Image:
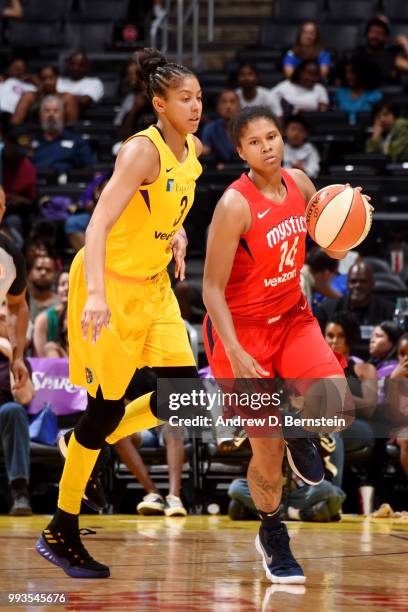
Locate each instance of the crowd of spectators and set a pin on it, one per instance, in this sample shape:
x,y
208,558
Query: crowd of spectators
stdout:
x,y
43,119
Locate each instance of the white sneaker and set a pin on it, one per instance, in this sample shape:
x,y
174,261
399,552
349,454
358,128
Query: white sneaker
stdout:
x,y
174,506
152,503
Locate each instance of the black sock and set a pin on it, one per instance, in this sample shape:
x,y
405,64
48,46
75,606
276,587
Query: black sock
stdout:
x,y
64,521
19,485
270,520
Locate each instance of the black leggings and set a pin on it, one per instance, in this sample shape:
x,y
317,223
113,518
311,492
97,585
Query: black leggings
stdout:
x,y
102,416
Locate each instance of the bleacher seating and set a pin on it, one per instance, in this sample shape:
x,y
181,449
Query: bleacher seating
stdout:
x,y
351,10
298,11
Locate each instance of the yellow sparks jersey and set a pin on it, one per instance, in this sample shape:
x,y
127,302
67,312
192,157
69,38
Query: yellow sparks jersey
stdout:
x,y
137,243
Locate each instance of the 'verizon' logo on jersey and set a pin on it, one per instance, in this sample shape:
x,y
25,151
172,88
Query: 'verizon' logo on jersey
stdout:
x,y
288,227
286,276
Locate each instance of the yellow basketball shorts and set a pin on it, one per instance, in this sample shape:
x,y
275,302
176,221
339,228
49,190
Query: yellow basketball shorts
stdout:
x,y
146,329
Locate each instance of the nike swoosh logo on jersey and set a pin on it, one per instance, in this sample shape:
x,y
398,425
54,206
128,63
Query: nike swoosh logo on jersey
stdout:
x,y
169,169
261,215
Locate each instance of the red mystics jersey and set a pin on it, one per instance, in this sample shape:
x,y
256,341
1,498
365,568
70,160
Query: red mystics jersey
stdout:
x,y
265,275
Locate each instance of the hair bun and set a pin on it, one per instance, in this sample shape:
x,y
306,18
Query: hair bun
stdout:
x,y
148,60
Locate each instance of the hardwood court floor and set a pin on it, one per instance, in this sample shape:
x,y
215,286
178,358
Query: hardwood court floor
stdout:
x,y
210,563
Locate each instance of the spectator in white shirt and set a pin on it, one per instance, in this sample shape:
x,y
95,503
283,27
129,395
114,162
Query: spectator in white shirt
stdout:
x,y
298,152
17,83
251,94
302,92
87,89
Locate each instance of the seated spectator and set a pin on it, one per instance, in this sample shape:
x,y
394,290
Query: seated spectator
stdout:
x,y
86,89
14,9
172,438
308,45
76,224
358,92
29,105
18,82
216,136
327,282
341,334
58,348
383,352
58,147
50,330
387,60
389,132
302,92
251,94
299,153
367,307
383,347
14,433
320,503
20,185
41,280
397,386
397,400
135,104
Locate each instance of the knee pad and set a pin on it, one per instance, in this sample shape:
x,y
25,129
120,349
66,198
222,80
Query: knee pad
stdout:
x,y
99,420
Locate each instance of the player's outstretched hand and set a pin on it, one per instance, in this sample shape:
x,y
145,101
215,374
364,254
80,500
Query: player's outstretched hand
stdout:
x,y
96,311
245,366
178,246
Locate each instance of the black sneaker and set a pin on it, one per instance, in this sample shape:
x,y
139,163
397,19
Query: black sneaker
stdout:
x,y
279,564
94,495
65,549
21,504
305,460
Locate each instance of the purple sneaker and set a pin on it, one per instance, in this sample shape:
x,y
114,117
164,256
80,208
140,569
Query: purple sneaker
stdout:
x,y
66,550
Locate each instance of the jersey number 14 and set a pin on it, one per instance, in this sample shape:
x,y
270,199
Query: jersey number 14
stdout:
x,y
288,255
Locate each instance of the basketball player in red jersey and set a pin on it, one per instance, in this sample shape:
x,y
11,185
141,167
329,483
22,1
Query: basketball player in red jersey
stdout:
x,y
259,323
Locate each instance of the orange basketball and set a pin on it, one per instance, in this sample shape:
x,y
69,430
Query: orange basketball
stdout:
x,y
338,217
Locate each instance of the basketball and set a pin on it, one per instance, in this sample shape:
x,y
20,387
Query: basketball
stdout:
x,y
338,217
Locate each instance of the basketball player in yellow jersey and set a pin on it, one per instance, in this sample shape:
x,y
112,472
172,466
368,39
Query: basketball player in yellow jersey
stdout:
x,y
122,313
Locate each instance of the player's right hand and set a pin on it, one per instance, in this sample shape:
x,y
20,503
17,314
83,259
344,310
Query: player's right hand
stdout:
x,y
96,311
245,366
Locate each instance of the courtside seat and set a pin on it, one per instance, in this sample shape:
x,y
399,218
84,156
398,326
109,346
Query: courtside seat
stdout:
x,y
376,160
277,35
353,170
90,35
35,33
46,10
351,10
298,11
389,281
111,10
378,265
341,37
156,460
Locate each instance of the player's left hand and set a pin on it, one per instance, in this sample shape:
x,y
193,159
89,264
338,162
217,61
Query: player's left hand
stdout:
x,y
20,373
178,245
